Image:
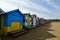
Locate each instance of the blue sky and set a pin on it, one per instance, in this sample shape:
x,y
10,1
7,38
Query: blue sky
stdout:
x,y
48,9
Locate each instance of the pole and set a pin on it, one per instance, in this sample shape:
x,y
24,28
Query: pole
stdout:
x,y
18,3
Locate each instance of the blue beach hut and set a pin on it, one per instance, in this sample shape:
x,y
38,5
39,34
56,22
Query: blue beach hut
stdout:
x,y
13,21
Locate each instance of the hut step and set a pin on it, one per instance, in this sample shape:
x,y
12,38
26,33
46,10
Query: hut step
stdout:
x,y
19,34
16,33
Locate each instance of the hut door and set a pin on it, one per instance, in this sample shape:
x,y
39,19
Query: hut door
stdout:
x,y
15,26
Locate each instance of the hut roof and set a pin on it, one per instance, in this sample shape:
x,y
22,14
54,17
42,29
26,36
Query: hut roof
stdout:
x,y
16,10
27,14
1,11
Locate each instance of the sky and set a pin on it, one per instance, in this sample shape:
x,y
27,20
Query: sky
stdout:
x,y
48,9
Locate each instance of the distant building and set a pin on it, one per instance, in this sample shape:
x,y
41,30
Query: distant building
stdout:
x,y
33,20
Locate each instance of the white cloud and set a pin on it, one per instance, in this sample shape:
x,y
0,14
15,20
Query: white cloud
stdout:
x,y
25,6
51,3
6,6
13,4
38,9
34,6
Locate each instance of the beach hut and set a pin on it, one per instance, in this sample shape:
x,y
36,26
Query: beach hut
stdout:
x,y
37,21
12,21
42,21
33,20
27,18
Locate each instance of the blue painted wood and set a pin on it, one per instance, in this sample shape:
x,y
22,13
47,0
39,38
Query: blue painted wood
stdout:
x,y
13,16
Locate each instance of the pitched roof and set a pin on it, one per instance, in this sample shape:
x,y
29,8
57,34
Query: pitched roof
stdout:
x,y
16,10
27,14
1,10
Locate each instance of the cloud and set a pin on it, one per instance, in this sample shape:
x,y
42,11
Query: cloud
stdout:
x,y
26,6
50,2
34,6
37,9
29,6
7,6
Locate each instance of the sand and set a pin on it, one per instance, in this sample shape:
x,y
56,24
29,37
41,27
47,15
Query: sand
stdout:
x,y
49,31
56,27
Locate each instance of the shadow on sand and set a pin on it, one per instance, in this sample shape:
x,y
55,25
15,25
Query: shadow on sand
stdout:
x,y
44,32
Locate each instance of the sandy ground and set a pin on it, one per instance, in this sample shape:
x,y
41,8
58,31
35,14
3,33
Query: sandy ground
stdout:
x,y
50,31
56,27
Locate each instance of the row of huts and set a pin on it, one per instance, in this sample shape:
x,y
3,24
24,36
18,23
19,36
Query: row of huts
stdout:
x,y
15,20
